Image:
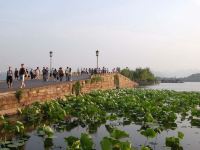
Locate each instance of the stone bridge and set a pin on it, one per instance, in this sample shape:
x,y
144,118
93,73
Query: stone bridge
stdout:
x,y
10,103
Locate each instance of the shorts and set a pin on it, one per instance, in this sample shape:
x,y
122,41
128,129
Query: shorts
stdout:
x,y
21,77
9,79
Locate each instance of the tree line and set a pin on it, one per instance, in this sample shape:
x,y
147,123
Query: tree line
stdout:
x,y
143,76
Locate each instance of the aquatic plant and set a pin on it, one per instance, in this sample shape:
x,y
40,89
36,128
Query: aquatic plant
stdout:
x,y
155,111
174,142
84,143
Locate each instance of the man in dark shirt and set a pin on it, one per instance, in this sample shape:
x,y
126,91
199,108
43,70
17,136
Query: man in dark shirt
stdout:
x,y
9,77
16,74
22,73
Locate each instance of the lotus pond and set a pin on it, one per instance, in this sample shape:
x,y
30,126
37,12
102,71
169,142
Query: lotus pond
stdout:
x,y
123,119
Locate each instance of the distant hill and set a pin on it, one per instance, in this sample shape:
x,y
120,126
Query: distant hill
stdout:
x,y
192,78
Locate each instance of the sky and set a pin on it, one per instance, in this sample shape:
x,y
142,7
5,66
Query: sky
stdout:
x,y
161,34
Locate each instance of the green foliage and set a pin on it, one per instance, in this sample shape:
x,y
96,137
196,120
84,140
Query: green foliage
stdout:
x,y
70,140
106,144
146,148
174,142
148,117
76,88
149,133
32,113
53,111
195,112
195,122
142,107
48,143
141,75
180,135
116,80
117,134
114,144
6,127
19,94
84,143
45,131
19,127
13,144
96,78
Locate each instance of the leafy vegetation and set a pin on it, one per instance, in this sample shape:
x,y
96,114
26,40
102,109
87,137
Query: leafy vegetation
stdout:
x,y
116,80
96,78
19,94
174,142
140,75
76,88
84,143
155,111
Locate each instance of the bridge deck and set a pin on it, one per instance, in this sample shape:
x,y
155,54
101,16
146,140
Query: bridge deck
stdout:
x,y
37,83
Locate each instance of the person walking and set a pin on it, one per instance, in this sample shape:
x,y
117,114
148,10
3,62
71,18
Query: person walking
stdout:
x,y
70,74
26,74
9,77
61,74
37,73
55,74
16,73
43,73
47,74
67,73
32,74
22,73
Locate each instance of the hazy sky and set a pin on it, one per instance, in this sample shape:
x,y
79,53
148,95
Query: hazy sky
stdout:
x,y
161,34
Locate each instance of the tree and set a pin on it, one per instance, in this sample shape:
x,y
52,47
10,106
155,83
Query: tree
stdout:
x,y
143,76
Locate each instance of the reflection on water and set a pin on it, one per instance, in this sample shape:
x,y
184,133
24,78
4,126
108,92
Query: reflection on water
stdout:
x,y
74,126
187,86
191,140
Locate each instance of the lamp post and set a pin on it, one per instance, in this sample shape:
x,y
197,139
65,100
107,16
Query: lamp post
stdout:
x,y
97,54
51,55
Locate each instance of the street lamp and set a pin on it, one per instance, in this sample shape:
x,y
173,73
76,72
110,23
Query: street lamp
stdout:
x,y
97,54
51,55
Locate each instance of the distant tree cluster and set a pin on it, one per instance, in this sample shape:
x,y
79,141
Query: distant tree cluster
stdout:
x,y
143,76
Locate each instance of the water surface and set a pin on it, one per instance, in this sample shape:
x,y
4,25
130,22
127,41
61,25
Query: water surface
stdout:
x,y
186,86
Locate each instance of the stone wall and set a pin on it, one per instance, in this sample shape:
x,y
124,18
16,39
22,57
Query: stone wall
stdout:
x,y
9,103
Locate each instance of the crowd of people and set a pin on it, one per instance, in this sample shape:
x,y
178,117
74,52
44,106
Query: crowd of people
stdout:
x,y
94,70
45,74
17,75
37,74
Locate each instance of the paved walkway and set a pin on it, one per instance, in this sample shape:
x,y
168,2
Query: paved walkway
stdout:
x,y
37,83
